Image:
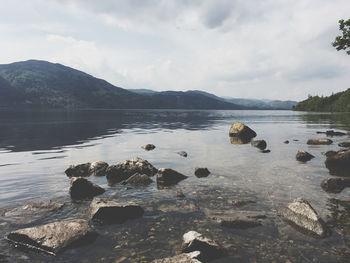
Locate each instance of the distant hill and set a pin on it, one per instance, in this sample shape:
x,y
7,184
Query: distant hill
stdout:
x,y
338,102
42,84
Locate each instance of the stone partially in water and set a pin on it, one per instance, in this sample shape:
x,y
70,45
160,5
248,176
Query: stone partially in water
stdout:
x,y
319,141
182,258
261,144
344,144
138,180
122,171
106,211
78,170
286,142
301,214
149,147
98,168
201,172
182,153
304,156
241,130
334,133
82,188
240,203
237,219
54,237
209,249
339,163
168,177
335,185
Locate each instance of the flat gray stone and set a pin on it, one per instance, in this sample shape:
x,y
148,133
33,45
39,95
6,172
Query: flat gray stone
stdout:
x,y
319,141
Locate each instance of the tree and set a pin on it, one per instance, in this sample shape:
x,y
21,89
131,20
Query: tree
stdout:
x,y
343,42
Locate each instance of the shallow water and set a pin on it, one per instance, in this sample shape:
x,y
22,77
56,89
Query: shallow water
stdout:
x,y
36,148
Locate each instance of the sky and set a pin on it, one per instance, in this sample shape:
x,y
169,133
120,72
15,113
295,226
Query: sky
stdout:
x,y
264,49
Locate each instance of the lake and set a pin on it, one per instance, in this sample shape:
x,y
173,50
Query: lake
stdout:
x,y
37,147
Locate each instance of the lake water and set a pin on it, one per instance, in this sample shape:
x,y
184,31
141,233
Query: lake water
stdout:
x,y
36,148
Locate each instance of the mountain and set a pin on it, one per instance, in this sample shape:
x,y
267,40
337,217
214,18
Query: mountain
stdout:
x,y
338,102
42,84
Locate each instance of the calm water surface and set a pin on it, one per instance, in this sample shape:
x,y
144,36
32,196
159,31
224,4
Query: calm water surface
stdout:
x,y
36,148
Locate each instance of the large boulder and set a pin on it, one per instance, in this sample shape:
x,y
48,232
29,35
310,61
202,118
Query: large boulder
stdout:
x,y
122,171
182,258
98,168
105,211
201,172
319,141
238,219
209,249
54,237
243,132
335,185
339,163
138,180
301,215
261,144
168,177
81,188
78,170
304,156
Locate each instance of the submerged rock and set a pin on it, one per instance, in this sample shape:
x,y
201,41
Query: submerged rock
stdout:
x,y
329,153
339,163
182,258
122,171
334,133
98,168
81,188
138,180
319,141
261,144
304,156
106,211
182,153
78,170
240,203
335,185
168,177
265,151
237,219
243,132
54,237
149,147
201,172
344,144
301,215
286,142
209,249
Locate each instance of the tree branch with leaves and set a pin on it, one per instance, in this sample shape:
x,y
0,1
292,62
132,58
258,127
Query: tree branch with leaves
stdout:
x,y
343,42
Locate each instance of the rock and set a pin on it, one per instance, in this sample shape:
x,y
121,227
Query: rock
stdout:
x,y
81,188
286,142
122,171
168,177
339,163
182,153
238,140
333,133
261,144
182,258
209,249
329,153
98,168
78,170
201,172
54,237
105,211
301,215
344,144
319,141
335,185
138,180
149,147
240,203
241,131
303,156
265,151
237,219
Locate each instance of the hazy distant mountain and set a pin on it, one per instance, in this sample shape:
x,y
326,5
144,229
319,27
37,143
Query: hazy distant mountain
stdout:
x,y
43,84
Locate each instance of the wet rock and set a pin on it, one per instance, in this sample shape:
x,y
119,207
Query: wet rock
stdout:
x,y
304,156
168,177
54,237
122,171
344,144
335,185
78,170
329,153
201,172
209,249
106,211
81,188
149,147
339,163
301,215
98,168
319,141
286,142
182,258
240,203
238,140
237,219
265,151
182,153
138,180
334,133
243,132
261,144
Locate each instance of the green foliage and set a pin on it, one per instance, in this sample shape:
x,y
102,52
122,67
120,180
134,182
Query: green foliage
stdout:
x,y
343,42
338,102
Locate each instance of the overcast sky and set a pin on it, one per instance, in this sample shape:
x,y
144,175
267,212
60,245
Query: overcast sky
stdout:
x,y
272,49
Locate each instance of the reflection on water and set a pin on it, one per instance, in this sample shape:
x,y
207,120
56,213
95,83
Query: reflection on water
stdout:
x,y
36,148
